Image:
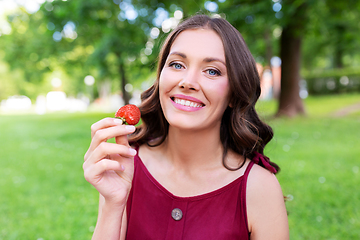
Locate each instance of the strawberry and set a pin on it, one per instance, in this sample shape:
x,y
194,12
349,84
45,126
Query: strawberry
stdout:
x,y
129,114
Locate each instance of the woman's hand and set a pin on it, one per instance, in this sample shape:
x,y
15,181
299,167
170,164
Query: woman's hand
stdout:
x,y
109,167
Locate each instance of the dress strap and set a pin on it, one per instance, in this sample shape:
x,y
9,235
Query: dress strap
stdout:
x,y
248,168
242,202
263,161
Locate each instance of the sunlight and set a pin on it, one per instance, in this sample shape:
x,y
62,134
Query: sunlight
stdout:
x,y
89,80
16,103
69,30
178,14
211,6
161,15
154,33
56,101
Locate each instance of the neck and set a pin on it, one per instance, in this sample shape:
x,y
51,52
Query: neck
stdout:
x,y
194,149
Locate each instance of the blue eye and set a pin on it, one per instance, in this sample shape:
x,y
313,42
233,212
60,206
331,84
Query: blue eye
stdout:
x,y
213,72
176,65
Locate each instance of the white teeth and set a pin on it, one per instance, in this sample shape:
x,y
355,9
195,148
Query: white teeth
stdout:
x,y
187,103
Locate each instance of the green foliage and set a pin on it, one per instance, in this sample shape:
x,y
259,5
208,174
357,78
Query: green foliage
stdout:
x,y
331,40
336,80
256,21
106,38
111,39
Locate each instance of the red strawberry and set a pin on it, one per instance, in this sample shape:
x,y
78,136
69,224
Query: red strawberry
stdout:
x,y
129,114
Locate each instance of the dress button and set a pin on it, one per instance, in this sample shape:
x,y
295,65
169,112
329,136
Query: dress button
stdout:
x,y
176,214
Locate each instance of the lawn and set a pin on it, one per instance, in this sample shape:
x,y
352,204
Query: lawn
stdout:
x,y
319,157
43,194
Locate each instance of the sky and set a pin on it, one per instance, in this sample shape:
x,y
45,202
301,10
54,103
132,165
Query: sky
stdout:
x,y
30,6
10,6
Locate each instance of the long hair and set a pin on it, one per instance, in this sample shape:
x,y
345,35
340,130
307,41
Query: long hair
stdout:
x,y
241,128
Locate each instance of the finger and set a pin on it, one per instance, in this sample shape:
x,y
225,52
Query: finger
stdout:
x,y
105,123
105,149
93,172
122,139
103,135
102,124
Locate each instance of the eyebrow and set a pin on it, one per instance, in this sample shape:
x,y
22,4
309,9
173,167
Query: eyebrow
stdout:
x,y
208,59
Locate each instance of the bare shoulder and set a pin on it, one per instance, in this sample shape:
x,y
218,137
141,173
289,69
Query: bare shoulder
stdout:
x,y
262,181
267,217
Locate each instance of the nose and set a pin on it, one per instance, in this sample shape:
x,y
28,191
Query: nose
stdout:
x,y
190,80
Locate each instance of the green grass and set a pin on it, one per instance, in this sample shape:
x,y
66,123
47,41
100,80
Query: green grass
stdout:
x,y
43,194
319,160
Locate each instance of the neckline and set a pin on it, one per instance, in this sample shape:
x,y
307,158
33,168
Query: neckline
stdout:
x,y
195,197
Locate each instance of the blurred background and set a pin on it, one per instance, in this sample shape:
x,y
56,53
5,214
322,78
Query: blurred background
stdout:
x,y
65,64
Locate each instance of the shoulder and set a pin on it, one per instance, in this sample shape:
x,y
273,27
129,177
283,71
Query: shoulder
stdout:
x,y
260,180
267,217
263,188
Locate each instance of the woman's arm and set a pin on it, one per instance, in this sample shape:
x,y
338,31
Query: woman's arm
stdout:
x,y
109,222
111,219
267,216
109,167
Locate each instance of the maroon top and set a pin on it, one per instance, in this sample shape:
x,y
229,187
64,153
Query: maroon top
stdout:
x,y
155,213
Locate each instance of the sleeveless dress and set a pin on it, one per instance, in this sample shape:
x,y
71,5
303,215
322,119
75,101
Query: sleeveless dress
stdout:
x,y
154,213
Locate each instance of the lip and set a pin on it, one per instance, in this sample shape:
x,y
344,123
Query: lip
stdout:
x,y
188,98
185,97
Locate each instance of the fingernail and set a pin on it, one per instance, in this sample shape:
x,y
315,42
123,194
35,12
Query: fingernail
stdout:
x,y
130,128
132,151
116,120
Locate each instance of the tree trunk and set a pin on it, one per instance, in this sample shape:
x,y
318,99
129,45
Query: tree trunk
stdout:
x,y
290,102
126,96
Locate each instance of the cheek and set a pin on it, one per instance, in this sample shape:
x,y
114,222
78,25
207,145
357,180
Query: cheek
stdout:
x,y
223,88
166,81
166,84
222,91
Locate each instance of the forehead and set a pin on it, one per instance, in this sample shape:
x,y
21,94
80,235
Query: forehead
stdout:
x,y
199,42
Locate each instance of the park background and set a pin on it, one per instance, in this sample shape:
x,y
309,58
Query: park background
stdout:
x,y
66,64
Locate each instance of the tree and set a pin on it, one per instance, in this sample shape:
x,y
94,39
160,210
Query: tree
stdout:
x,y
117,39
22,57
119,31
257,20
331,45
290,103
111,39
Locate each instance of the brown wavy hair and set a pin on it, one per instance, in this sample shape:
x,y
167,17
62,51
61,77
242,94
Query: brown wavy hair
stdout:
x,y
241,128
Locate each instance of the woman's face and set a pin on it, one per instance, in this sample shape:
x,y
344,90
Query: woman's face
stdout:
x,y
193,84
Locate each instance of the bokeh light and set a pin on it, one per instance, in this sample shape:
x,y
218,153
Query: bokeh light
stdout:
x,y
89,80
211,6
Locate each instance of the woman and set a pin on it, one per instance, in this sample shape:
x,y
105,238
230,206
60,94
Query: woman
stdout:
x,y
197,170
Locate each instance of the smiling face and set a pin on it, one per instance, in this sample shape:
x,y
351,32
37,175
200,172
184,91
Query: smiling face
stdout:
x,y
193,84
